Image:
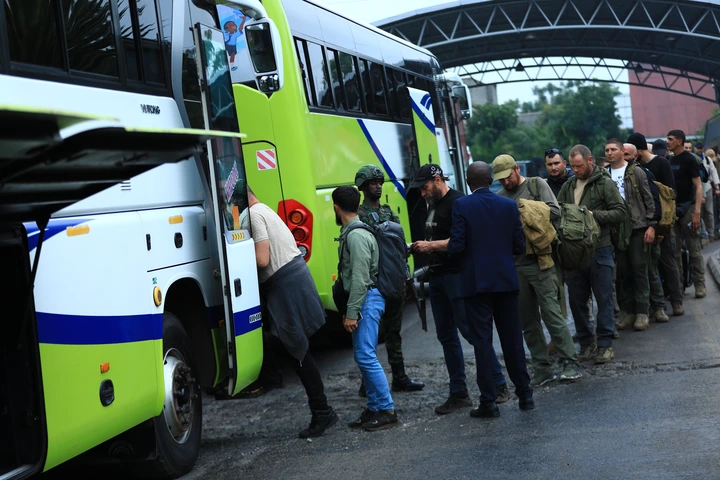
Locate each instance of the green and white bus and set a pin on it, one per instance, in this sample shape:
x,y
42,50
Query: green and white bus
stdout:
x,y
351,95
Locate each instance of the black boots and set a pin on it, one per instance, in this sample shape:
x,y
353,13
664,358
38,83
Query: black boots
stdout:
x,y
401,382
321,421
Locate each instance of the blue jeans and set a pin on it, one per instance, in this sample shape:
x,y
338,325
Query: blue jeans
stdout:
x,y
449,314
365,339
597,277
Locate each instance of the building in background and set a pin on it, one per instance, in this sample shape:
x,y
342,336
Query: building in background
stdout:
x,y
656,112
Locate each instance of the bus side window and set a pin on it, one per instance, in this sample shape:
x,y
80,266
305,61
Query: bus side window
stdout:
x,y
190,80
411,81
90,37
367,86
34,34
351,82
166,26
127,32
391,92
404,108
150,41
302,59
318,71
336,79
377,74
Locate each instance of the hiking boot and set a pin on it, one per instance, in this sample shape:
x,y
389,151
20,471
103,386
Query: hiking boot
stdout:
x,y
642,322
570,372
587,352
604,355
678,309
381,420
542,377
365,417
361,390
503,393
661,316
700,291
453,404
527,404
626,321
486,410
321,421
401,382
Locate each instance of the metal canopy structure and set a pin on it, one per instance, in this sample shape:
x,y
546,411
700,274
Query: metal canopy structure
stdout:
x,y
670,45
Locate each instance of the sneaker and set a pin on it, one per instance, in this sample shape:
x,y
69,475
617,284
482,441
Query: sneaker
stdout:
x,y
700,291
570,372
321,421
587,352
365,417
678,309
381,420
661,316
604,355
626,321
453,404
503,393
642,322
542,377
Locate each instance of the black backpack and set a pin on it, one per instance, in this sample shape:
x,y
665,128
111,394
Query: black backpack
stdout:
x,y
393,269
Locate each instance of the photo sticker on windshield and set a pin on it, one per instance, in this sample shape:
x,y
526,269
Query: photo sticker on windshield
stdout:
x,y
231,181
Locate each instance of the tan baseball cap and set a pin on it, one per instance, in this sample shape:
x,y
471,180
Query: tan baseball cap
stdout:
x,y
503,166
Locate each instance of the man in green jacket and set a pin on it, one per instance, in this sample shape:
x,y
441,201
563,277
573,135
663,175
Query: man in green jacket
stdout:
x,y
593,188
369,180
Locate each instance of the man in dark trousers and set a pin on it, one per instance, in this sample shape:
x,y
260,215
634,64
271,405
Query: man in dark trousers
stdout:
x,y
490,284
369,180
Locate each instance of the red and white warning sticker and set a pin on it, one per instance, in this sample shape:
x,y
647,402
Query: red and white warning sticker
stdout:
x,y
266,159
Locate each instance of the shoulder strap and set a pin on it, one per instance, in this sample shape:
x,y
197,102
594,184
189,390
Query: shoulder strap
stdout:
x,y
343,241
533,187
633,178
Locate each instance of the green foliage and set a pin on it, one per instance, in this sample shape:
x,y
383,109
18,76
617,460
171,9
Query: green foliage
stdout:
x,y
572,113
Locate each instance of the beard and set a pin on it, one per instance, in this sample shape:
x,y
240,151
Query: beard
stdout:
x,y
338,220
433,196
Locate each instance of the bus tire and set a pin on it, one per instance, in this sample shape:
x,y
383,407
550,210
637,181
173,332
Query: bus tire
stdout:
x,y
178,428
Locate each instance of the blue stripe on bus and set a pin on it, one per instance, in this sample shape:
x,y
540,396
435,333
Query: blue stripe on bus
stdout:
x,y
247,320
380,157
430,125
97,330
54,227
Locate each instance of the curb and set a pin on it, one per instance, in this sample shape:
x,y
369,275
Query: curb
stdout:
x,y
713,264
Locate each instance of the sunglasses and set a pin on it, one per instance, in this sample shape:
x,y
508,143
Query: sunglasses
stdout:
x,y
551,152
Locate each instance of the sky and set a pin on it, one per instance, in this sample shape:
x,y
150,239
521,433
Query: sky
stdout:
x,y
373,10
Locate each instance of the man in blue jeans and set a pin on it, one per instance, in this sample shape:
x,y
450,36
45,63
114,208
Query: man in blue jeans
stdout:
x,y
447,306
359,256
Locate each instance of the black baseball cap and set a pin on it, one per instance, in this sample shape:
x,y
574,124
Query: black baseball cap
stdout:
x,y
699,145
427,172
659,145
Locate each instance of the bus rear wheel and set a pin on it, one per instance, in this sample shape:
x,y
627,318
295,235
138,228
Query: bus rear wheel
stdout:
x,y
178,428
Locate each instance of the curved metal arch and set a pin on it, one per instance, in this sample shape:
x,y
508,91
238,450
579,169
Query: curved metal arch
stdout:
x,y
677,38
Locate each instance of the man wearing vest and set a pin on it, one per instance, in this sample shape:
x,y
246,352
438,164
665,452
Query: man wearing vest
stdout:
x,y
365,306
369,180
538,286
593,188
663,252
633,283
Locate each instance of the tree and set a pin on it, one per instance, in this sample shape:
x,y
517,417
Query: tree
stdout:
x,y
487,124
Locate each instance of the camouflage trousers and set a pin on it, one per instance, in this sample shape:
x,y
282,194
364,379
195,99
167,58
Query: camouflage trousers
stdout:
x,y
390,329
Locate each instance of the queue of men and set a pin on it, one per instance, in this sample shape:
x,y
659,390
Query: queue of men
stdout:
x,y
513,278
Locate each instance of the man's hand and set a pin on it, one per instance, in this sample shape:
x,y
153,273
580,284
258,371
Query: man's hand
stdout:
x,y
350,324
421,247
703,200
650,234
696,221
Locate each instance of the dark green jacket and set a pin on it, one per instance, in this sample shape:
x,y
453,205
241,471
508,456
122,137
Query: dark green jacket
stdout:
x,y
602,197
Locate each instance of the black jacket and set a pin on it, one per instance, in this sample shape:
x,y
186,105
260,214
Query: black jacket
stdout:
x,y
556,184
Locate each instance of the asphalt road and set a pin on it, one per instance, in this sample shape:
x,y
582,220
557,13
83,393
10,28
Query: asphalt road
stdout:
x,y
652,414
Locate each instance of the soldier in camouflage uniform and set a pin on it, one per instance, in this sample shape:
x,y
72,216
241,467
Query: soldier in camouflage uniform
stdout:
x,y
369,180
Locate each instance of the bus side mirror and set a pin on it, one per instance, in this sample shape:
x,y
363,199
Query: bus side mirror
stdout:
x,y
263,40
462,93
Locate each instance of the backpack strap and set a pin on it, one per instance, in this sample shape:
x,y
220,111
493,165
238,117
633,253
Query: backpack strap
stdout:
x,y
343,241
533,187
633,179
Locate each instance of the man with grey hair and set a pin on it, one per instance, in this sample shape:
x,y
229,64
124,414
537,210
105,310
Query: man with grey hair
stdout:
x,y
593,188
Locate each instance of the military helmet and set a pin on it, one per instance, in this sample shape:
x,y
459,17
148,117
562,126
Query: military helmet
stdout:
x,y
367,173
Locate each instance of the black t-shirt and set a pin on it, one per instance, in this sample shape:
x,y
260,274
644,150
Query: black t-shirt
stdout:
x,y
437,227
660,167
685,168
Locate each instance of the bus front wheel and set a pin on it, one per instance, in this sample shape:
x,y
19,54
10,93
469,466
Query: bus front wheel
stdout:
x,y
178,427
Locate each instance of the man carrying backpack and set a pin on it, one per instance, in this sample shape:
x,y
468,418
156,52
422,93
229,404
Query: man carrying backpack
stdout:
x,y
538,286
593,188
663,252
633,283
369,180
359,258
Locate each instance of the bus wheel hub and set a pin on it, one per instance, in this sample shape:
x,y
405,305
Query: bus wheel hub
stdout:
x,y
180,395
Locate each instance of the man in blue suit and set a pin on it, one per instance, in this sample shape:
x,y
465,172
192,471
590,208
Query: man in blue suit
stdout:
x,y
486,233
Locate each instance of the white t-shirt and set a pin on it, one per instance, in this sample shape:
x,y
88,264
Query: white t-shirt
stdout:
x,y
618,176
267,225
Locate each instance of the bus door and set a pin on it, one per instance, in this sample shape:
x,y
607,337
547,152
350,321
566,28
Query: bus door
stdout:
x,y
225,173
